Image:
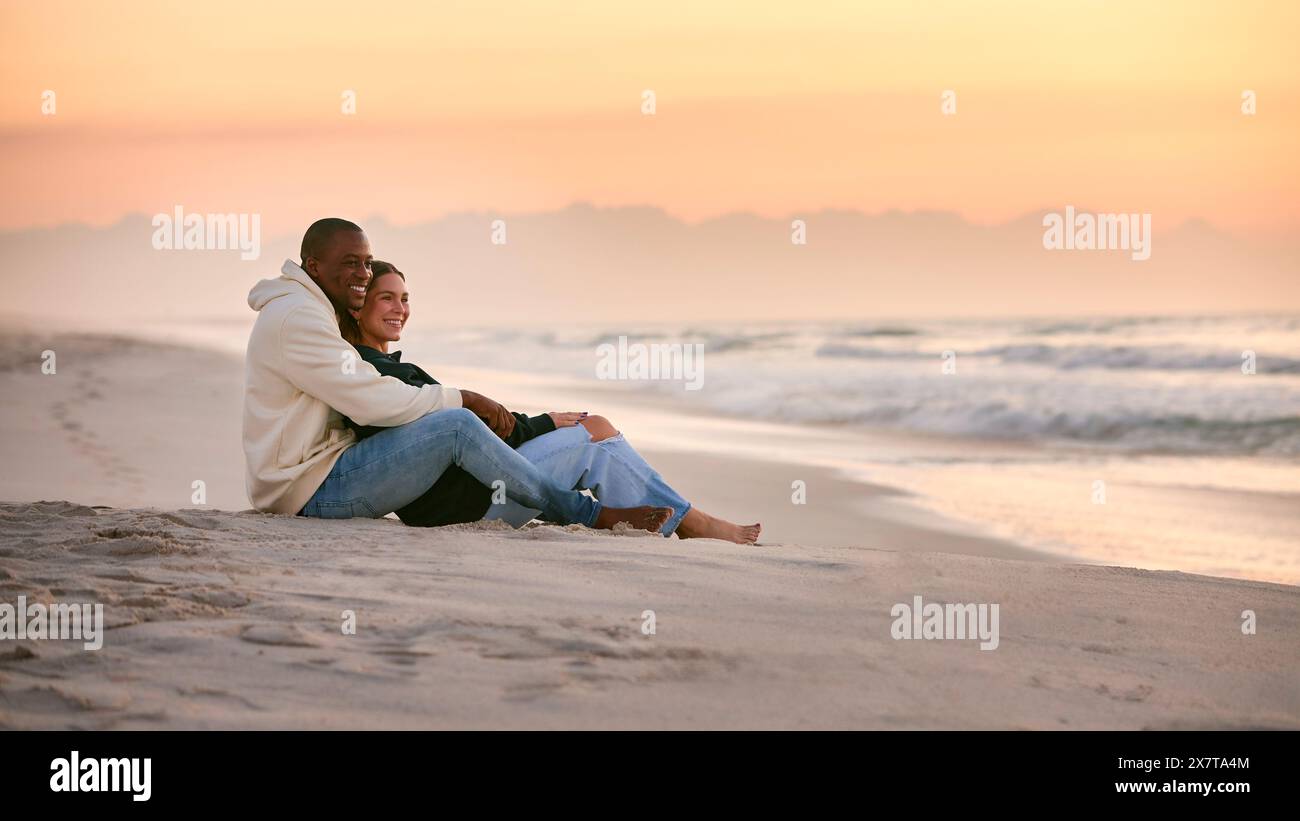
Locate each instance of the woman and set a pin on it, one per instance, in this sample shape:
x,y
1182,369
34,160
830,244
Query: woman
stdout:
x,y
575,449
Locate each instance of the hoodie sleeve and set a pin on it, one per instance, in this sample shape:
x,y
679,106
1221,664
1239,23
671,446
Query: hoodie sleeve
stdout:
x,y
319,363
529,427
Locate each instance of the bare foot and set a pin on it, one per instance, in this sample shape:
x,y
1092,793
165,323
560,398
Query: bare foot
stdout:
x,y
697,524
642,518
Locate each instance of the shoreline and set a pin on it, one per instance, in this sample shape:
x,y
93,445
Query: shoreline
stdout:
x,y
849,513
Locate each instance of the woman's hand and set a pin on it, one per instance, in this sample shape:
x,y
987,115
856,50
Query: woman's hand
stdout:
x,y
568,419
493,414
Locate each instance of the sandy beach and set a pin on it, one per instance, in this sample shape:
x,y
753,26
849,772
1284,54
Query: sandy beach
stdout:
x,y
219,617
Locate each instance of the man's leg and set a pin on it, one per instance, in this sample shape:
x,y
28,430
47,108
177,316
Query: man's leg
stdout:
x,y
391,469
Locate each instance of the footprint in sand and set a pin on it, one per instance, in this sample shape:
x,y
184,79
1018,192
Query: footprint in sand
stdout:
x,y
277,635
83,440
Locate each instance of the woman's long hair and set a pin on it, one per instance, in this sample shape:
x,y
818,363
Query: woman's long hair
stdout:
x,y
347,323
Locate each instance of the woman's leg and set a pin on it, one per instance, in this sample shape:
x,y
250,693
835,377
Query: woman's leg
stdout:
x,y
595,456
571,459
390,469
695,523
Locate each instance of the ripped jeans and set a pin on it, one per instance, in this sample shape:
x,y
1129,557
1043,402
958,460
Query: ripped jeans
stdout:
x,y
611,469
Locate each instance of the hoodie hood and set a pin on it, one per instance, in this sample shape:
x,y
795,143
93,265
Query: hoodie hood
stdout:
x,y
293,280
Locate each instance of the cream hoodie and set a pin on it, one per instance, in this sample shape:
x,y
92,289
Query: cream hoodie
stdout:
x,y
299,376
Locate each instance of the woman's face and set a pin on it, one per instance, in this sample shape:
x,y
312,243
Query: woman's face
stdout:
x,y
386,310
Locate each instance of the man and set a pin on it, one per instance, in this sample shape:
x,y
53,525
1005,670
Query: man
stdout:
x,y
300,375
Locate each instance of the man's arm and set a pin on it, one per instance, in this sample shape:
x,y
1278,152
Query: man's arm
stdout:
x,y
318,362
493,414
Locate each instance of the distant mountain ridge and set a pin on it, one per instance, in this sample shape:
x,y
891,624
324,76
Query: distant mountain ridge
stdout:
x,y
641,264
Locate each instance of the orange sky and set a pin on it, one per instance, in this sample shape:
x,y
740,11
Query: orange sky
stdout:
x,y
775,108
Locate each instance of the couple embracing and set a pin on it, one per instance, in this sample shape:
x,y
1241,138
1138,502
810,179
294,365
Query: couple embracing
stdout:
x,y
336,425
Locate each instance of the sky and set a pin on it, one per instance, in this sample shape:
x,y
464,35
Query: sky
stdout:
x,y
773,109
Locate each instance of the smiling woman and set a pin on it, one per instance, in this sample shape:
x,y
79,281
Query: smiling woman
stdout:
x,y
387,301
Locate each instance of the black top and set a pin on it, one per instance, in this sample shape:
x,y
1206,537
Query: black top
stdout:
x,y
457,496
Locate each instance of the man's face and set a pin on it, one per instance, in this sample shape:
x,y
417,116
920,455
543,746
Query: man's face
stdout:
x,y
343,269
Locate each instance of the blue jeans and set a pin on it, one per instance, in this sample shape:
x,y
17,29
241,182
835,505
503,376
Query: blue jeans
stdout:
x,y
611,469
391,469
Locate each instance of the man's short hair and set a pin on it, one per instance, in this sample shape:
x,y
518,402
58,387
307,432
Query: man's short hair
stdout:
x,y
319,234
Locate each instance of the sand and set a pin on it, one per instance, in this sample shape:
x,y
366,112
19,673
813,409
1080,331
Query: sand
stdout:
x,y
219,617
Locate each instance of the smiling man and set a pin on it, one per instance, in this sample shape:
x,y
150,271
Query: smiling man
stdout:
x,y
301,377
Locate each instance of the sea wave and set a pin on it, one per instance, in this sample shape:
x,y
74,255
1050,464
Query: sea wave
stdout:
x,y
1174,433
1135,357
1078,357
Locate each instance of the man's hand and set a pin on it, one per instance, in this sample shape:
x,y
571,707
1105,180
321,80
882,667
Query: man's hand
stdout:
x,y
566,420
493,414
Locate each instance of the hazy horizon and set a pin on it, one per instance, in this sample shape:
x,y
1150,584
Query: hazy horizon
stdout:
x,y
585,265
